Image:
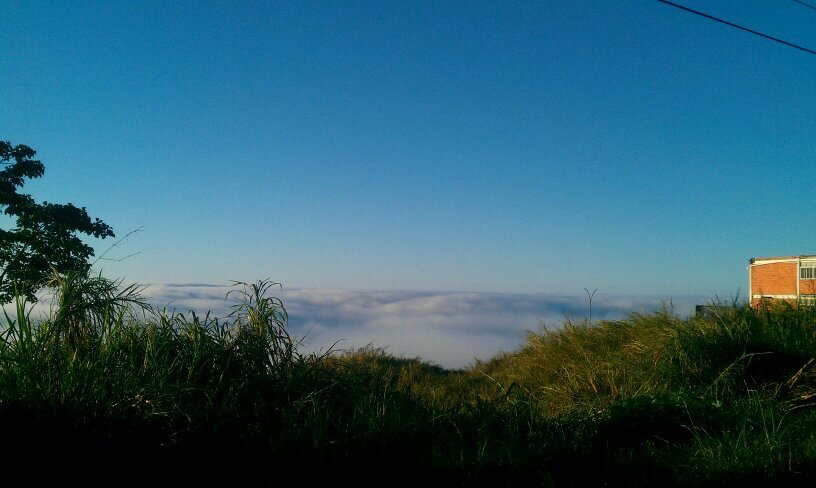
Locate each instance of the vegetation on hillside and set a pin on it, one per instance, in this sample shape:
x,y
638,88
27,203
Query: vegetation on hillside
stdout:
x,y
649,399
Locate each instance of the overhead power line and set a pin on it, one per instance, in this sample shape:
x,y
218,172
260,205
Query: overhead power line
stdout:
x,y
766,36
800,2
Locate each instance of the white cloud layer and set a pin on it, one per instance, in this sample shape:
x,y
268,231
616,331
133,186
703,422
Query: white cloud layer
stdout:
x,y
447,328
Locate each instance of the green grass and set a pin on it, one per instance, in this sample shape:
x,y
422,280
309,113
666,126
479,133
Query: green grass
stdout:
x,y
651,399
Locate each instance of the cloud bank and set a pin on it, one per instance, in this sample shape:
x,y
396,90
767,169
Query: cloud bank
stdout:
x,y
448,328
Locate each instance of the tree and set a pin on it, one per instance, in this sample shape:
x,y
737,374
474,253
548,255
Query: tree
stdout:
x,y
45,236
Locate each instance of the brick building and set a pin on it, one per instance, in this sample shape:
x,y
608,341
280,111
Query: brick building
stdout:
x,y
789,278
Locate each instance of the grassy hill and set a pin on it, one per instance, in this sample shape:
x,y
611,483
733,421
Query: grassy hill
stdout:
x,y
651,399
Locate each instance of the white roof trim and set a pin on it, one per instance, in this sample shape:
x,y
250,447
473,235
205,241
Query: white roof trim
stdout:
x,y
774,261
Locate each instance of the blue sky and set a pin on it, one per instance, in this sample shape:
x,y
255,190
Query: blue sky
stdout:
x,y
524,147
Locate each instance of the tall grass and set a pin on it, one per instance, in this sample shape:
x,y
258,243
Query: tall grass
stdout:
x,y
649,399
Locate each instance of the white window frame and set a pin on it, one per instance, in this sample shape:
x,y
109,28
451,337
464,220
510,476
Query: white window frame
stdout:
x,y
807,270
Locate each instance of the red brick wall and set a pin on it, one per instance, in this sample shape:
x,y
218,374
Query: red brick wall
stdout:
x,y
807,287
774,279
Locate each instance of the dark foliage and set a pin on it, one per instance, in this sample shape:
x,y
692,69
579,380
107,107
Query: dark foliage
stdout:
x,y
45,235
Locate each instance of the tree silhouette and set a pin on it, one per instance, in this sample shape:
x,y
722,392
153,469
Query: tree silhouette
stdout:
x,y
45,236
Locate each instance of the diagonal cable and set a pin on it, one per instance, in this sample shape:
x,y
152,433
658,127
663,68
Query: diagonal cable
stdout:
x,y
766,36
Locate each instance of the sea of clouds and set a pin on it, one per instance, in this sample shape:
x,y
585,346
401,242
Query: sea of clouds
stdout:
x,y
451,329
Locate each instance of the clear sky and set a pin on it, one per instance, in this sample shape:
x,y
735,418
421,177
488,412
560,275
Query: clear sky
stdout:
x,y
478,146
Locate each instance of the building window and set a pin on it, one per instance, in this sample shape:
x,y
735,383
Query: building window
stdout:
x,y
807,270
